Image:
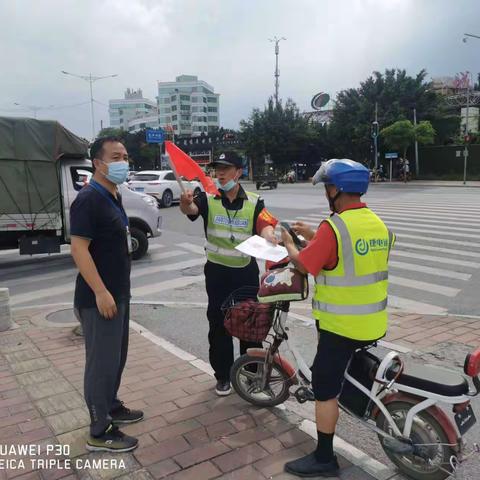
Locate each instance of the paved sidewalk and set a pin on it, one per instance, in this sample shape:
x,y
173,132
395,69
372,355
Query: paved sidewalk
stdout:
x,y
423,331
188,432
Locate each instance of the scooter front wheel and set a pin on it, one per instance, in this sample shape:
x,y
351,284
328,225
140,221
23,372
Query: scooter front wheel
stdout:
x,y
432,453
246,377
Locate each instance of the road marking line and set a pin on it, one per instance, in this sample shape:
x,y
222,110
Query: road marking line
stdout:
x,y
430,270
167,285
140,272
437,249
192,248
414,307
425,286
431,258
400,226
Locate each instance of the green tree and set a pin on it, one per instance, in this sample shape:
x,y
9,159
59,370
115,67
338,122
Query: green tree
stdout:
x,y
401,134
281,132
395,93
111,132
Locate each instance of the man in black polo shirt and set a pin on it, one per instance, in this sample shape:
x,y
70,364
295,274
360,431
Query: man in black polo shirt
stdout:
x,y
228,218
101,248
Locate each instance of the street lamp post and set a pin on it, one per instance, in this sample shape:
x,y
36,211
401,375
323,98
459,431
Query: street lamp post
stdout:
x,y
90,79
33,108
375,137
417,168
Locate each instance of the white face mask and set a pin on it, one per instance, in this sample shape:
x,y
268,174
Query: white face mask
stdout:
x,y
228,186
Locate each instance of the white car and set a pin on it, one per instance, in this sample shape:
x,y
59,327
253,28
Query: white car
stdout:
x,y
162,185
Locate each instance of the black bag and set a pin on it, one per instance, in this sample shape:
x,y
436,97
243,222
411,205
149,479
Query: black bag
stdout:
x,y
362,368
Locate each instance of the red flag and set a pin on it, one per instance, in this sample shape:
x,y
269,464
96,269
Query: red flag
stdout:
x,y
189,168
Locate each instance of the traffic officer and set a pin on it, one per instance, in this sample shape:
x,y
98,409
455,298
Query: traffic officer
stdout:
x,y
229,218
348,256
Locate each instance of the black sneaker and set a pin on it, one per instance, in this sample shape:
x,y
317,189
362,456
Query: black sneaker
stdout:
x,y
309,466
223,388
123,415
113,440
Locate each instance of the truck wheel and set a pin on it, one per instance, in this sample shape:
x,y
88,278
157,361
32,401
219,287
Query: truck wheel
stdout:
x,y
139,243
258,186
167,199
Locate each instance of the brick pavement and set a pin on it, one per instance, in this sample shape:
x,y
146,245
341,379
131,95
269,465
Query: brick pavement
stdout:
x,y
423,331
188,432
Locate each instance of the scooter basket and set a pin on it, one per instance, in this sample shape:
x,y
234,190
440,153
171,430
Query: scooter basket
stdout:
x,y
245,317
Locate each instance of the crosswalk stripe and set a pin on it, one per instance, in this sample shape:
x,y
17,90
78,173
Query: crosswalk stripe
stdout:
x,y
439,272
468,208
402,223
192,248
431,248
41,293
39,278
159,256
461,217
140,272
416,237
439,240
424,286
431,258
167,285
413,306
439,219
414,228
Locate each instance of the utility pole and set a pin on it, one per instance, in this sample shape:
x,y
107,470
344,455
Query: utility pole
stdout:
x,y
33,108
90,78
467,139
277,72
417,168
375,136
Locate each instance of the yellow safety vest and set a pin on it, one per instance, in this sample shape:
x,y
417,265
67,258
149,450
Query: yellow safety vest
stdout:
x,y
227,230
351,299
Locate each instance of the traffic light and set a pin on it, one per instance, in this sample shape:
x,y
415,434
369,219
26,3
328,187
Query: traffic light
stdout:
x,y
374,129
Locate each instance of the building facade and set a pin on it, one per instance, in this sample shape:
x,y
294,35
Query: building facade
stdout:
x,y
132,107
189,105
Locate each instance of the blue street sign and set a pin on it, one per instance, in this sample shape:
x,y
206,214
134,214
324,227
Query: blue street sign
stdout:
x,y
155,136
391,155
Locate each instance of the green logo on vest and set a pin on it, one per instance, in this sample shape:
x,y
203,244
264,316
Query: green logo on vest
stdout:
x,y
361,246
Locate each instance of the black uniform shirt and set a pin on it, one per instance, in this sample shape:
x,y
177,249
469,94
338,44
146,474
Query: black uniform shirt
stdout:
x,y
94,217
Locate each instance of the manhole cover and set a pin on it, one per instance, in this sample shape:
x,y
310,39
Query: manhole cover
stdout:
x,y
62,317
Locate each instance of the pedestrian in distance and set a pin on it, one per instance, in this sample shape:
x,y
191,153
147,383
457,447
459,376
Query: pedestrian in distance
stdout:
x,y
229,218
101,249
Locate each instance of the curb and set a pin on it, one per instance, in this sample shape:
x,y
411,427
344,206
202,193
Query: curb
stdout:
x,y
355,456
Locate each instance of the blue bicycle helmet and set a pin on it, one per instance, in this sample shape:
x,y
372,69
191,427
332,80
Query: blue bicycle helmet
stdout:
x,y
347,176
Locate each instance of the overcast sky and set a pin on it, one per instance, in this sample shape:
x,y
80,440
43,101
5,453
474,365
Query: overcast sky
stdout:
x,y
331,45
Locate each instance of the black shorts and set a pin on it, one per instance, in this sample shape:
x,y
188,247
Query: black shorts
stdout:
x,y
333,354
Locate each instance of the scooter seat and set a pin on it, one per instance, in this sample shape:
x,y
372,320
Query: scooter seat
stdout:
x,y
431,379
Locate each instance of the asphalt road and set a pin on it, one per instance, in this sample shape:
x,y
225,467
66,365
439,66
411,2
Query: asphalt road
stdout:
x,y
435,268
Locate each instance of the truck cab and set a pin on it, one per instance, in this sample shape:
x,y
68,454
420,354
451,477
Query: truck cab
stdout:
x,y
142,210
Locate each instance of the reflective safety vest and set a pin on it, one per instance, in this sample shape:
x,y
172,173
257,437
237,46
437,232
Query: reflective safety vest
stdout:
x,y
351,299
226,230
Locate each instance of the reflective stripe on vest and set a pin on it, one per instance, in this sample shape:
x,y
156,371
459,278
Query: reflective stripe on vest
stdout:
x,y
209,247
350,309
351,299
215,232
226,230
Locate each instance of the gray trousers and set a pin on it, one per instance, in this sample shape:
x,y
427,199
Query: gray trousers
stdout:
x,y
106,347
